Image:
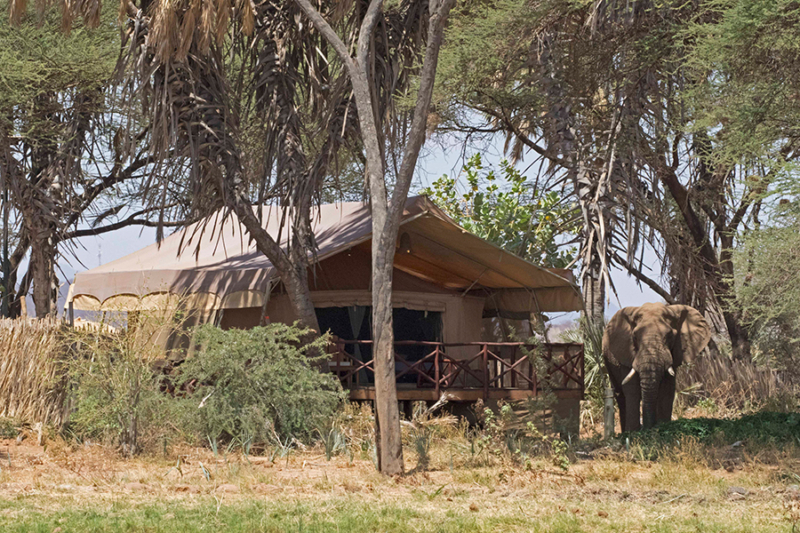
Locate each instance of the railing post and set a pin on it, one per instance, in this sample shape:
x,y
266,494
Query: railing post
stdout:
x,y
513,370
343,351
485,372
436,370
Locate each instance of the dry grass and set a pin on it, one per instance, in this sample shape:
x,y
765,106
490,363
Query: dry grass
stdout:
x,y
191,489
468,481
32,376
460,478
723,387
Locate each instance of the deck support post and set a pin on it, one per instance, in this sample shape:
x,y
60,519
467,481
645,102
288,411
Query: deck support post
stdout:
x,y
513,362
608,414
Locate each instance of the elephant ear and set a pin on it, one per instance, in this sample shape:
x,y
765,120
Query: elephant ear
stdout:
x,y
618,337
692,333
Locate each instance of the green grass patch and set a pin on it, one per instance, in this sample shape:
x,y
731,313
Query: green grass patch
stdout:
x,y
759,428
354,515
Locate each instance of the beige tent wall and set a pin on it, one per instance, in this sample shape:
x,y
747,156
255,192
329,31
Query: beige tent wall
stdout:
x,y
241,318
497,329
462,323
178,344
461,315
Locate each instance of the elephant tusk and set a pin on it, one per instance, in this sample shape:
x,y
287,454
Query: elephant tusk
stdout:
x,y
671,372
629,376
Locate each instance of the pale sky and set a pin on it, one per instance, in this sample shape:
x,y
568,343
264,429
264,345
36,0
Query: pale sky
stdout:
x,y
94,251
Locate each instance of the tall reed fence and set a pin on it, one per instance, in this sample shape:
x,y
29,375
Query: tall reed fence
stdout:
x,y
33,376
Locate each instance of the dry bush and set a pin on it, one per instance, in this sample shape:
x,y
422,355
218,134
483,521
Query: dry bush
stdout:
x,y
32,374
718,383
357,421
430,425
115,391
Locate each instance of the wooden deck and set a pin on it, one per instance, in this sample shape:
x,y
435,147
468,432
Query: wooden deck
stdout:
x,y
466,371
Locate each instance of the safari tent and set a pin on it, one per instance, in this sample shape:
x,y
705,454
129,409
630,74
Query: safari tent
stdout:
x,y
452,292
447,282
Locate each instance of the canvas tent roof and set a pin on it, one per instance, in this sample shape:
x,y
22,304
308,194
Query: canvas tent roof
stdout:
x,y
215,262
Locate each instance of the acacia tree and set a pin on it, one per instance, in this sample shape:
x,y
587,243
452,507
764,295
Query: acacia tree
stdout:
x,y
615,97
59,149
506,67
387,207
198,104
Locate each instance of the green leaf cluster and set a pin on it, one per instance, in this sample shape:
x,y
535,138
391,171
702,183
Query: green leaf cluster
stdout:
x,y
259,384
502,207
768,287
746,54
38,59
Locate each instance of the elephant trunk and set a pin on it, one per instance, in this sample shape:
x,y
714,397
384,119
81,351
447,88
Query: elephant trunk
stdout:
x,y
650,380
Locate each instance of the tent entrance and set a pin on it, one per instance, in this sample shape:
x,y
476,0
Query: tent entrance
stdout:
x,y
413,325
355,323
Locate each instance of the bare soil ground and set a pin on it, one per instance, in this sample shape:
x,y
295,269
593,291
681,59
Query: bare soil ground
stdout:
x,y
61,488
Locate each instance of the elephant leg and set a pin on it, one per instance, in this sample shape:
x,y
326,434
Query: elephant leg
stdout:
x,y
618,395
622,412
633,400
666,399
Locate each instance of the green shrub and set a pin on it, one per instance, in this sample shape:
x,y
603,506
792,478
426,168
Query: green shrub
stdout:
x,y
9,428
259,385
759,428
115,393
768,287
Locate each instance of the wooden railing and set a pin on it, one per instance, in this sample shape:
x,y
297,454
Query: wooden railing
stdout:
x,y
473,366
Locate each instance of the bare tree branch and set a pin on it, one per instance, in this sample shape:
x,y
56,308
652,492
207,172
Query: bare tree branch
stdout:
x,y
655,287
371,20
361,91
419,122
132,220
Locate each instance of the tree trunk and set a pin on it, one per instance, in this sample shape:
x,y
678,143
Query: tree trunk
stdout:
x,y
295,280
718,271
594,299
294,276
594,292
740,340
739,335
390,446
42,265
385,214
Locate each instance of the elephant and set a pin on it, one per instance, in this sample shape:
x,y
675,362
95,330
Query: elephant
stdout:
x,y
642,348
